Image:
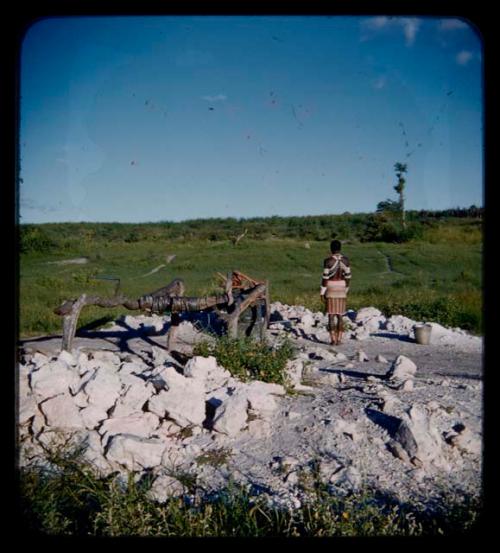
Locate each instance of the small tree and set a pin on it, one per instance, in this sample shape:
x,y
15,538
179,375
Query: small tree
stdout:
x,y
401,169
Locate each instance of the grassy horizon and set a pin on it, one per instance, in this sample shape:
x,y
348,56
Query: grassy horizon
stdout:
x,y
436,276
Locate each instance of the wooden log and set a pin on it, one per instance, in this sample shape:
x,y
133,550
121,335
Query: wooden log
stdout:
x,y
69,323
241,303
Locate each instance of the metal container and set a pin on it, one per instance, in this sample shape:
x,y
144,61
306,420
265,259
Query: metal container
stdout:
x,y
422,333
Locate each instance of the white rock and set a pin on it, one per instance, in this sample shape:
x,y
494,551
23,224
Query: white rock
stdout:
x,y
161,356
341,426
366,313
294,369
39,360
407,385
361,356
142,425
167,429
390,402
135,453
137,393
403,368
322,353
381,359
103,388
207,370
165,487
92,416
399,324
348,478
361,334
81,399
293,415
28,408
61,412
231,416
306,322
184,401
106,357
66,357
53,379
331,378
93,454
129,368
466,441
374,324
62,437
420,439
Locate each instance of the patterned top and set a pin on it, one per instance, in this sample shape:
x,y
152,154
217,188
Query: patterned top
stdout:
x,y
336,267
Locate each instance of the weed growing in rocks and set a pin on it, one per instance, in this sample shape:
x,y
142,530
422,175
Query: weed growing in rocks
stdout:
x,y
74,500
214,458
248,359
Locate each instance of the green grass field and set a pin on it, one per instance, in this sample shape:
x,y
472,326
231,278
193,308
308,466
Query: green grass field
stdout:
x,y
437,277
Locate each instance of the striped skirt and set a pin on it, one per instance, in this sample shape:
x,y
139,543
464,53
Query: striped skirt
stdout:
x,y
336,296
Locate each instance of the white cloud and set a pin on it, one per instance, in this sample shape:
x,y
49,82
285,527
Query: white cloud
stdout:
x,y
217,98
378,22
451,24
410,29
463,57
409,26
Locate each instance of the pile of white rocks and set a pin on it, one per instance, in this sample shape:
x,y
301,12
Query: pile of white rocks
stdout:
x,y
363,324
134,414
147,413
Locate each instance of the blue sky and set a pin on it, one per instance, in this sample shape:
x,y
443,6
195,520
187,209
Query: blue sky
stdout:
x,y
136,119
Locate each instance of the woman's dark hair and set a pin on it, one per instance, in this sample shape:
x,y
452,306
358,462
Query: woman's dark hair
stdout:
x,y
335,246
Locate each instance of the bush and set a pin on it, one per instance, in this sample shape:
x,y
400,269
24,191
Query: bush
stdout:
x,y
34,239
71,499
248,359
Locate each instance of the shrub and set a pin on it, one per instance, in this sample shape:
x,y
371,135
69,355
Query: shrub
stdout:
x,y
34,239
248,359
71,499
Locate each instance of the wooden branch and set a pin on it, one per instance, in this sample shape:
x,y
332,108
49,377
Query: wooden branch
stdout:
x,y
238,238
240,305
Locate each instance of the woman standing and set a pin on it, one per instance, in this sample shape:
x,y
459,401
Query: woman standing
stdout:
x,y
334,289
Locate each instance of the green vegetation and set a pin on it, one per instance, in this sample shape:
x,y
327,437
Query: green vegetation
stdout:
x,y
72,500
249,359
435,275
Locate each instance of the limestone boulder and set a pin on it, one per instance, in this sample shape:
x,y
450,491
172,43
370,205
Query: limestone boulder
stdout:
x,y
39,360
366,313
142,425
103,388
61,412
294,369
53,379
402,369
92,416
68,358
28,408
419,438
134,397
183,401
347,428
93,453
231,416
165,487
400,324
208,371
135,453
106,357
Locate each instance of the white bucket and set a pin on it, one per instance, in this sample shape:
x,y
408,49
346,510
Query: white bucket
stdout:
x,y
422,333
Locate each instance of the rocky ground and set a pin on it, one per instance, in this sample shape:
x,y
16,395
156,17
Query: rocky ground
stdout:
x,y
378,411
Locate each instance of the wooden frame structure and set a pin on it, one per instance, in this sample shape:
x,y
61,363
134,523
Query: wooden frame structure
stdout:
x,y
241,292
